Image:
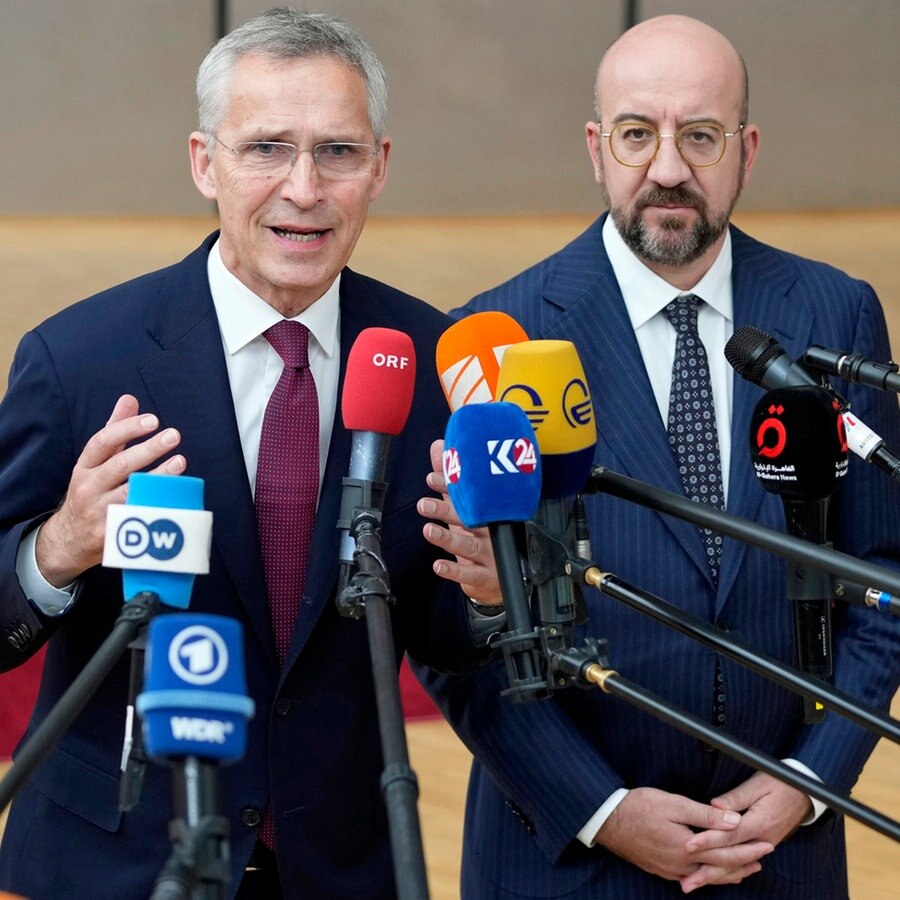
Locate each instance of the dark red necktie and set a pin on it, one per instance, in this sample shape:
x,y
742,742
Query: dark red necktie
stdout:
x,y
287,487
287,479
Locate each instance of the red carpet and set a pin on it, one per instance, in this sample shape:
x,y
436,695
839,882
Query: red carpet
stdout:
x,y
18,690
417,705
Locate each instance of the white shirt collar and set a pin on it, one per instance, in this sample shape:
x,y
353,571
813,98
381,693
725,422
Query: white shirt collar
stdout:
x,y
244,315
646,294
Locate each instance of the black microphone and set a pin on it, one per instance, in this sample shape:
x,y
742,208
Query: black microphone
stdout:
x,y
759,358
375,403
853,367
799,452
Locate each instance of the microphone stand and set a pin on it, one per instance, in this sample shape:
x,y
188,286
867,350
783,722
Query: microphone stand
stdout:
x,y
198,867
842,564
808,686
135,616
589,664
368,593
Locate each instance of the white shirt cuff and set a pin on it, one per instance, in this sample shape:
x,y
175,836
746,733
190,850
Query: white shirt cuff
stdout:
x,y
818,806
595,823
50,600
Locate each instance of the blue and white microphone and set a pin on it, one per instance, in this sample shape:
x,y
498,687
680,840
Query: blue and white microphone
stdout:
x,y
160,539
195,709
492,470
194,701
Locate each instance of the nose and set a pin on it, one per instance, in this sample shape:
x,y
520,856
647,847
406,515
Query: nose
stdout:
x,y
303,185
668,169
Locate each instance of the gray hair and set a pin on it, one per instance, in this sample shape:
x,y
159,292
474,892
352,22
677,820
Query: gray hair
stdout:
x,y
286,34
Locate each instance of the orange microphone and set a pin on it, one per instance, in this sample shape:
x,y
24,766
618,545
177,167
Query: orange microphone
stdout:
x,y
469,354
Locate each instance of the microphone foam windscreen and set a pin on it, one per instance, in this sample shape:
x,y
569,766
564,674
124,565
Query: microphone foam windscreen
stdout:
x,y
546,379
166,492
491,464
195,692
797,443
469,353
380,381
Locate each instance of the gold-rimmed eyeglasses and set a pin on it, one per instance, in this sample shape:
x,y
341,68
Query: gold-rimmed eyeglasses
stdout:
x,y
701,144
276,159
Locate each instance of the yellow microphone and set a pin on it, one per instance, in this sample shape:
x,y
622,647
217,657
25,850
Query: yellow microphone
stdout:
x,y
469,353
546,379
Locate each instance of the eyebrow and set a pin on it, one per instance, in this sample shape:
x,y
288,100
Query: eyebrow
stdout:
x,y
638,117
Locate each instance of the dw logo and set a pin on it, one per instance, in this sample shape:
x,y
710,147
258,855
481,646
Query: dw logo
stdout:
x,y
198,655
161,539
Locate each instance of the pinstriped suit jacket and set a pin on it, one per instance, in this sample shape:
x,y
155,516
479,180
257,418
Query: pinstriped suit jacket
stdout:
x,y
542,769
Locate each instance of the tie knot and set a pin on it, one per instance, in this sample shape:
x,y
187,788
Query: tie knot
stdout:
x,y
682,312
291,342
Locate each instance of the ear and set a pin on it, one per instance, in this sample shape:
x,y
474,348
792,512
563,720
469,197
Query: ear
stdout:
x,y
201,165
380,174
595,145
750,137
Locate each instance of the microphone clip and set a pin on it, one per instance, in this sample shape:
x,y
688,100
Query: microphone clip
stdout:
x,y
370,575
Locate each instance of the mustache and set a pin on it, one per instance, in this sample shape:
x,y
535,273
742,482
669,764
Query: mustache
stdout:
x,y
675,196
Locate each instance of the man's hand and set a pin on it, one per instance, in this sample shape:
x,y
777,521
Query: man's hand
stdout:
x,y
474,569
772,810
71,540
652,829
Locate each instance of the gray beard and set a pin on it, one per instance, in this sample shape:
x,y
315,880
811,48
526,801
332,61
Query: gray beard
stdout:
x,y
673,244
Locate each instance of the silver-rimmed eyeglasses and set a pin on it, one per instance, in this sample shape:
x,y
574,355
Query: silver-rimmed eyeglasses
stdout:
x,y
276,159
701,144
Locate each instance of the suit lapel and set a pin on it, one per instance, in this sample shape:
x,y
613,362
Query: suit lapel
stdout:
x,y
592,314
762,280
189,385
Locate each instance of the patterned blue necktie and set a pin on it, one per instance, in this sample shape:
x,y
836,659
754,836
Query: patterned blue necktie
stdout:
x,y
692,420
695,442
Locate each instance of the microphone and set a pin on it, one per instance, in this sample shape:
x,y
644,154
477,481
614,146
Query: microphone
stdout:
x,y
375,403
161,540
195,710
493,473
469,353
799,452
853,367
159,555
546,379
761,359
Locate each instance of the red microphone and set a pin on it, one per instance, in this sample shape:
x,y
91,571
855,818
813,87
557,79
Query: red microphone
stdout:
x,y
375,403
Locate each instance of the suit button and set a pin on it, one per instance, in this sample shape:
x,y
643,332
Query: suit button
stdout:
x,y
250,817
282,706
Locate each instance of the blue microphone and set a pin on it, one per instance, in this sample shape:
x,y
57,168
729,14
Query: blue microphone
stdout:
x,y
195,710
160,537
492,469
195,695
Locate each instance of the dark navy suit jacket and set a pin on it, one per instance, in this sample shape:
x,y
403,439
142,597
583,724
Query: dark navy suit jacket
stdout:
x,y
313,747
543,768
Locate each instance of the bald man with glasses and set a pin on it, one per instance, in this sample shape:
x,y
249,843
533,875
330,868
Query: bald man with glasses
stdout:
x,y
581,796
